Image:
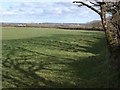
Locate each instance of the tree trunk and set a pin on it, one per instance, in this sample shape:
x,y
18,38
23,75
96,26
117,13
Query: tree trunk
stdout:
x,y
115,48
112,34
113,39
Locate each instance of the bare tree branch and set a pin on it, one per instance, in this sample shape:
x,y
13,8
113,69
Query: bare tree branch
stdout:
x,y
95,4
88,6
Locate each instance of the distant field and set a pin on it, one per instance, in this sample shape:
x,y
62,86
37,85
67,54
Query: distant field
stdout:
x,y
22,33
43,57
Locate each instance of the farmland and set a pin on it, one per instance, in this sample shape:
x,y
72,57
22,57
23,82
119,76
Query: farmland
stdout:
x,y
47,57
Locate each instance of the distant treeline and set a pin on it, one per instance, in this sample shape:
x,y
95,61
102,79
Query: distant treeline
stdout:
x,y
87,28
94,25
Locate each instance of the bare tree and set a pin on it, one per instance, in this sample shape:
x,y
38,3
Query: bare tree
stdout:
x,y
112,34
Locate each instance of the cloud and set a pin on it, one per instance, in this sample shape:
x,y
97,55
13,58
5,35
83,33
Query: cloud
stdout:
x,y
9,13
65,0
55,8
36,0
51,11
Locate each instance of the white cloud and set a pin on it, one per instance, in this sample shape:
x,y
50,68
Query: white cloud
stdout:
x,y
9,12
66,0
66,9
37,0
58,11
46,11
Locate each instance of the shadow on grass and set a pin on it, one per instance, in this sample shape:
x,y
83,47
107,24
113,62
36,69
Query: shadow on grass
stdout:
x,y
92,71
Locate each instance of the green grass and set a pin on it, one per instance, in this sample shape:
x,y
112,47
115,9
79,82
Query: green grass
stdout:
x,y
42,57
23,33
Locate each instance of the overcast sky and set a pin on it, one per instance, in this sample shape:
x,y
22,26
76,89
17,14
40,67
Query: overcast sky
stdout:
x,y
39,11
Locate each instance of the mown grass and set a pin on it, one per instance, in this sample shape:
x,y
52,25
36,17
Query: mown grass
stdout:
x,y
37,57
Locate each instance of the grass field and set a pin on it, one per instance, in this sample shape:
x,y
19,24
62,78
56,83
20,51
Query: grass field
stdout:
x,y
42,57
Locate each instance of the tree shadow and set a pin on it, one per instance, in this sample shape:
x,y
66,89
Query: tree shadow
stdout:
x,y
93,70
29,72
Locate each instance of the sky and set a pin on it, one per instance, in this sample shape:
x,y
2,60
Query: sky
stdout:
x,y
42,11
